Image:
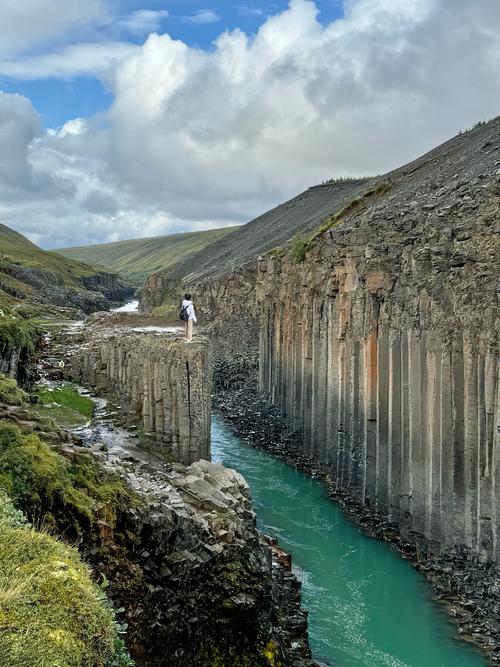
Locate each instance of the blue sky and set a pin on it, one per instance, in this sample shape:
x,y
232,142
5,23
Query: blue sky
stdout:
x,y
193,21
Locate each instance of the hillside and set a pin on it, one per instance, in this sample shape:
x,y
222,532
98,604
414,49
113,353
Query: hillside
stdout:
x,y
306,213
300,215
136,259
31,275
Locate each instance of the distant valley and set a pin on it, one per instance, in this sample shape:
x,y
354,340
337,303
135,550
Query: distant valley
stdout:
x,y
136,259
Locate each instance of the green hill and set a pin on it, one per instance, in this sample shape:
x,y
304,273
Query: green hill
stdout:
x,y
136,259
29,274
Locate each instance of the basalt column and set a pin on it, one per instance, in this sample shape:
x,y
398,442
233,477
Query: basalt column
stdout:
x,y
156,380
405,416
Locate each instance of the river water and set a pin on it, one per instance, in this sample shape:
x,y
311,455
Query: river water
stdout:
x,y
367,606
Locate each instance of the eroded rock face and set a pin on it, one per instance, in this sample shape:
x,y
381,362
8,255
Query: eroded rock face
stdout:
x,y
154,378
204,589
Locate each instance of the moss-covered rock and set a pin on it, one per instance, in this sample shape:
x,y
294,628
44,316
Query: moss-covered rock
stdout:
x,y
51,613
71,493
10,393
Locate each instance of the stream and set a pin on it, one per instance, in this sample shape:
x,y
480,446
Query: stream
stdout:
x,y
367,606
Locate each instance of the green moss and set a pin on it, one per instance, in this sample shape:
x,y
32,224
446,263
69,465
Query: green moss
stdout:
x,y
16,332
51,613
271,654
10,392
44,483
64,404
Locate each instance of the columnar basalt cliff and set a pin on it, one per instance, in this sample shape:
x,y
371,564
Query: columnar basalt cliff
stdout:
x,y
379,342
377,339
154,379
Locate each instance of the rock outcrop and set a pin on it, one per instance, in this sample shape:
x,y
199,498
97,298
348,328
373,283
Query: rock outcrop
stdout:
x,y
204,589
154,378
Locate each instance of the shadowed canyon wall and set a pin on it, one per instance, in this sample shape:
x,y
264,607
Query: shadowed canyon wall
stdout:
x,y
379,342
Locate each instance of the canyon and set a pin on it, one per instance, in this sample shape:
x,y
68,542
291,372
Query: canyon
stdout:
x,y
352,332
376,336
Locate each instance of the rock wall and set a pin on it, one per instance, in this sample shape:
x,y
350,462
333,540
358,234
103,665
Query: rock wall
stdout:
x,y
153,378
396,395
380,341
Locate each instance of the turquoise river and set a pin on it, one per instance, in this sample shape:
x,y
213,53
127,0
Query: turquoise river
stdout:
x,y
367,606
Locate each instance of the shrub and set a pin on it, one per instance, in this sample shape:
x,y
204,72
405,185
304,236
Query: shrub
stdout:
x,y
300,246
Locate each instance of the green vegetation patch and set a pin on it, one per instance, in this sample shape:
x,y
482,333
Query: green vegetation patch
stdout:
x,y
54,490
299,248
51,612
17,332
64,404
10,393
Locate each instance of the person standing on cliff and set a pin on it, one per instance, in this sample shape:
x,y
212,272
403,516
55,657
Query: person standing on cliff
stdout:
x,y
188,316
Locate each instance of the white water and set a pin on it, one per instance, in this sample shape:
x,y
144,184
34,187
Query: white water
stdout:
x,y
129,307
152,329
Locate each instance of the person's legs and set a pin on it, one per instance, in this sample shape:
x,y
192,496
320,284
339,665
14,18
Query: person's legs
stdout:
x,y
189,333
185,329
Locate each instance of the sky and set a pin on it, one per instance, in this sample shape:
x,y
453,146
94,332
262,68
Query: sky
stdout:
x,y
127,118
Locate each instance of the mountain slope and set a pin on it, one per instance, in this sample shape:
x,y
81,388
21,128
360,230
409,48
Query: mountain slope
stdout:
x,y
300,215
137,258
31,275
322,207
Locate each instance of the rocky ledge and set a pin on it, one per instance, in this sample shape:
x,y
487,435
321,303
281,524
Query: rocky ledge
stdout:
x,y
153,377
198,584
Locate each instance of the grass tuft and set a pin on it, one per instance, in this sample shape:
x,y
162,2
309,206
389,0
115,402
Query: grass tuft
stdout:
x,y
64,404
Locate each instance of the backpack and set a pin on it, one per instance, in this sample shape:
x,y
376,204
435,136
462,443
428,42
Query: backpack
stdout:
x,y
183,315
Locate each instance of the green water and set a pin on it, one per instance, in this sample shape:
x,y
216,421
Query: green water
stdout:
x,y
367,606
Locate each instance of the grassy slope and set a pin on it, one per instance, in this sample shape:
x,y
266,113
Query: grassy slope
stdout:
x,y
136,259
17,249
27,274
51,612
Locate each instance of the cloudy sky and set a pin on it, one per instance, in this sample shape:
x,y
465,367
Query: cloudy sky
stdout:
x,y
128,118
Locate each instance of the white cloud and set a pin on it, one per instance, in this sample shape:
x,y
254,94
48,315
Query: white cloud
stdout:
x,y
202,16
143,21
197,138
28,23
96,59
